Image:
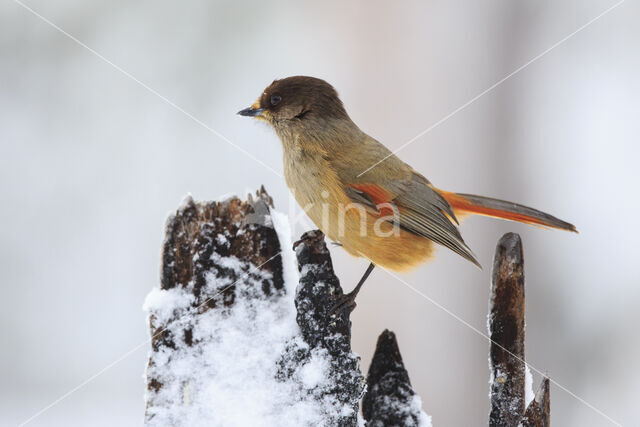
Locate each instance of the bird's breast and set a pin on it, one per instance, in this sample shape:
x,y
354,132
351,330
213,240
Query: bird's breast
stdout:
x,y
316,187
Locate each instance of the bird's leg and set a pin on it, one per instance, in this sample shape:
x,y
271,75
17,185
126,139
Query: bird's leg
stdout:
x,y
348,301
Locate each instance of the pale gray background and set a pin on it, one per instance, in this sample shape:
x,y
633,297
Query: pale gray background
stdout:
x,y
91,163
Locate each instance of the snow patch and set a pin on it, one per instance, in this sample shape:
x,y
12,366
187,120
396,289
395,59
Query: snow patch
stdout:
x,y
289,261
529,395
314,372
424,420
229,371
222,240
164,303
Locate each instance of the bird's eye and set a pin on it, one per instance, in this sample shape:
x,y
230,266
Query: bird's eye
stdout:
x,y
275,99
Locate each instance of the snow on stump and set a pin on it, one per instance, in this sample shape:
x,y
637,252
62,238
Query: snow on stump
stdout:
x,y
389,399
226,349
325,347
510,383
242,332
538,412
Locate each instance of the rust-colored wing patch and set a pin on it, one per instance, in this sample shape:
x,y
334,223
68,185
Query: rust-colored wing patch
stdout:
x,y
379,198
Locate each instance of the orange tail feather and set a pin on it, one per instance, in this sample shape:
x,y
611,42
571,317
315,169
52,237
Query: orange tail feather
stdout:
x,y
479,205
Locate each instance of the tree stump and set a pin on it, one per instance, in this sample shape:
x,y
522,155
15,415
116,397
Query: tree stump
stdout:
x,y
228,347
242,331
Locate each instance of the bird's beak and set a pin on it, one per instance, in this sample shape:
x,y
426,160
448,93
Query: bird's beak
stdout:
x,y
251,112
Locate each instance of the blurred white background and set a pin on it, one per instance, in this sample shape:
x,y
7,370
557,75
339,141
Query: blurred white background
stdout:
x,y
91,163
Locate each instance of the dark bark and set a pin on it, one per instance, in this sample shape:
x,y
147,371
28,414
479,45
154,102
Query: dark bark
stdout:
x,y
506,329
193,235
389,399
314,303
194,230
506,354
323,332
538,414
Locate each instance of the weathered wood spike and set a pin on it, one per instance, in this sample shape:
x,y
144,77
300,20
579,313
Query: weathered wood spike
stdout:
x,y
389,399
506,329
538,414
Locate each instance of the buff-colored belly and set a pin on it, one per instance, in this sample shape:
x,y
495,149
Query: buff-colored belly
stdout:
x,y
363,234
396,250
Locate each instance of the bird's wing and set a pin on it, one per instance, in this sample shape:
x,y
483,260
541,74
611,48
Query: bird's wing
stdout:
x,y
420,210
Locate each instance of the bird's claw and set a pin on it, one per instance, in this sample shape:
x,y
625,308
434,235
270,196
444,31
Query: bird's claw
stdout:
x,y
344,303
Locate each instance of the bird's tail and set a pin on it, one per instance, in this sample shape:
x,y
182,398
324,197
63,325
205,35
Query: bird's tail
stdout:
x,y
479,205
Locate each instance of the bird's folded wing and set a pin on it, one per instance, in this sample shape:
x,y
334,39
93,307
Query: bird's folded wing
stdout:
x,y
419,209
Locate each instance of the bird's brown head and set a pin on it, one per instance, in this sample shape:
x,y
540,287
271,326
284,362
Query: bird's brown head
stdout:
x,y
295,102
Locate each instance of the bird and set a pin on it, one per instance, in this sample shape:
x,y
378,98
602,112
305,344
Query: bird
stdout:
x,y
359,193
